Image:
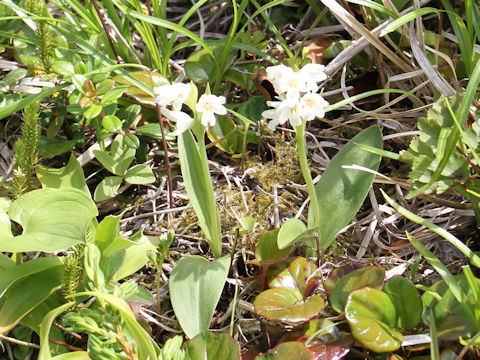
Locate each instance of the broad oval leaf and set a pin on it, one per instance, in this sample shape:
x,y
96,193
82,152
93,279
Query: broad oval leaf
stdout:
x,y
107,188
201,67
371,276
371,316
267,251
341,191
52,220
111,123
407,301
287,305
289,231
139,174
195,288
299,274
288,351
210,346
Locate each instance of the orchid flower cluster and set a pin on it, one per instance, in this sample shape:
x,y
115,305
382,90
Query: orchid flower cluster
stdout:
x,y
171,97
298,97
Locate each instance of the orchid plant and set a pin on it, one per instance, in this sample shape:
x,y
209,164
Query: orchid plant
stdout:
x,y
298,101
192,150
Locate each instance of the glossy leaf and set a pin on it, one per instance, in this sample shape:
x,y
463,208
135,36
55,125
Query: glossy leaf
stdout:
x,y
152,130
75,355
111,123
69,176
341,191
195,288
107,231
210,346
107,188
139,174
338,273
371,316
288,351
201,67
289,231
291,298
113,94
132,141
52,220
200,190
48,148
407,301
5,224
287,305
92,111
26,294
372,276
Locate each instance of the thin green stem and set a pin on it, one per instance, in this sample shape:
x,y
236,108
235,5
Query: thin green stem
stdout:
x,y
302,156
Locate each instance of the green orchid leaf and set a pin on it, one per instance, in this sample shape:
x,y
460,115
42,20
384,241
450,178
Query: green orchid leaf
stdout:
x,y
5,224
139,174
69,176
287,351
407,301
26,294
200,190
371,316
267,251
372,276
52,220
210,346
107,188
341,191
195,288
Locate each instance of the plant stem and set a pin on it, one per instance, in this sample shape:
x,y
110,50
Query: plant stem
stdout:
x,y
102,20
302,156
167,161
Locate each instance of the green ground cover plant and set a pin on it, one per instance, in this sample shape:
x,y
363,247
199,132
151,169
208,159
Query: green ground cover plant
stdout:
x,y
190,180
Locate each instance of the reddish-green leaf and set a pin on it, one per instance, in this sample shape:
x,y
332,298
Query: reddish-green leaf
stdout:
x,y
288,351
371,316
372,276
338,273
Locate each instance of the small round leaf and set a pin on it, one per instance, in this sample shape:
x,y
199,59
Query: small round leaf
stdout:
x,y
111,123
407,301
289,231
267,251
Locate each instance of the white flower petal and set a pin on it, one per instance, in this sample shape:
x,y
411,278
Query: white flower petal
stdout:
x,y
208,118
183,120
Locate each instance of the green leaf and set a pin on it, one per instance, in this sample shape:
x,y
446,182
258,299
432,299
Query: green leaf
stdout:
x,y
131,140
291,298
107,231
26,294
52,220
341,191
107,188
289,231
49,148
15,273
210,346
64,68
113,94
195,288
15,76
5,224
288,351
267,251
111,123
147,348
111,264
92,112
136,257
407,18
75,355
200,190
371,276
371,316
45,326
451,319
139,174
151,130
69,176
407,301
200,67
122,155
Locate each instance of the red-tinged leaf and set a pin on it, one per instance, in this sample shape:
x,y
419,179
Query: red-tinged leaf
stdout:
x,y
338,273
267,251
288,351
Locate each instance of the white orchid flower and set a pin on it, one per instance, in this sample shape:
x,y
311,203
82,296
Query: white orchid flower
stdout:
x,y
279,76
183,120
208,106
289,108
173,95
312,105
